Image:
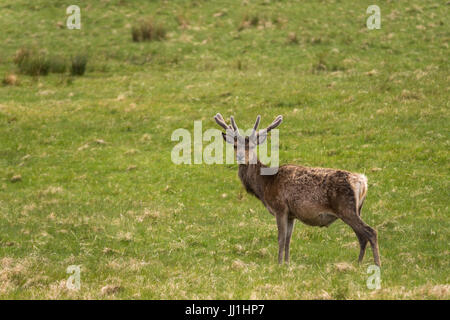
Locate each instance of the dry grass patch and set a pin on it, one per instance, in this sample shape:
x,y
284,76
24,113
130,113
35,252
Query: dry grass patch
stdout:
x,y
439,291
16,178
148,214
255,20
51,190
292,38
10,79
13,273
268,291
110,289
426,291
239,265
344,267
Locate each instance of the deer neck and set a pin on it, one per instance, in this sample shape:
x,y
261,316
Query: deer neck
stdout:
x,y
253,181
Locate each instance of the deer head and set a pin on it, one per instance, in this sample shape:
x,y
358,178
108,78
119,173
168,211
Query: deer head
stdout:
x,y
244,146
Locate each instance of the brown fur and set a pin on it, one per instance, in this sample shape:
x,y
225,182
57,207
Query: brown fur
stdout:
x,y
315,196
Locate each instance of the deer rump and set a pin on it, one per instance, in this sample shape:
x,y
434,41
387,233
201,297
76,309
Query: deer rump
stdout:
x,y
314,195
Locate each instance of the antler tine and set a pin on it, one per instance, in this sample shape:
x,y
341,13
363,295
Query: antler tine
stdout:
x,y
258,118
221,122
235,127
219,116
275,123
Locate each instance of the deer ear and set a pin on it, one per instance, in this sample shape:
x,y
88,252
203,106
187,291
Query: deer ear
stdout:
x,y
228,138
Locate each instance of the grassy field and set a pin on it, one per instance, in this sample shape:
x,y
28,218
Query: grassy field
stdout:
x,y
86,176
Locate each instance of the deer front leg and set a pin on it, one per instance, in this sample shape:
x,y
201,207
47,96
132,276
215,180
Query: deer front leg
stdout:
x,y
282,223
290,227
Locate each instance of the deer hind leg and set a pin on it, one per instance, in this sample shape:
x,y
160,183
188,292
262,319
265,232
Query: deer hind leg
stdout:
x,y
364,233
361,236
373,239
290,227
362,245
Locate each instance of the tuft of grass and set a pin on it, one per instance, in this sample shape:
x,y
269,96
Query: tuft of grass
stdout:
x,y
136,34
36,62
32,62
182,21
58,64
320,65
78,66
21,55
148,30
258,20
326,62
250,20
292,38
239,65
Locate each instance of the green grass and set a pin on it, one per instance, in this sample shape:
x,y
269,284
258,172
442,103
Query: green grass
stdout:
x,y
95,186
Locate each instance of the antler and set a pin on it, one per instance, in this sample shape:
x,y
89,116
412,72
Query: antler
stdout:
x,y
221,122
234,128
253,134
273,125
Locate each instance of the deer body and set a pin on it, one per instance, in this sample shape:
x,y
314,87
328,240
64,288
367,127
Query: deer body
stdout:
x,y
315,196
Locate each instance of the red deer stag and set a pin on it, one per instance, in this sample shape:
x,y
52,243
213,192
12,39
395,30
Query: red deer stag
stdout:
x,y
315,196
